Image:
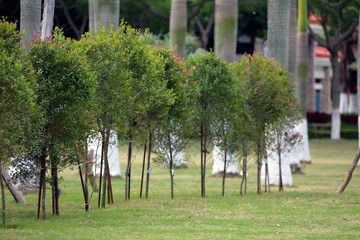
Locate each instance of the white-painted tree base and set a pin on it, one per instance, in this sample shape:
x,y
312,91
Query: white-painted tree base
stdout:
x,y
113,156
303,147
353,103
218,166
273,165
344,106
335,124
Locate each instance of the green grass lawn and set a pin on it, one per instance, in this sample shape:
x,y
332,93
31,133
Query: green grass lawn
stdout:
x,y
309,210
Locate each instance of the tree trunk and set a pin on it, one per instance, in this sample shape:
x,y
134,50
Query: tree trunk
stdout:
x,y
279,155
128,173
101,163
358,80
178,24
244,170
311,81
224,174
171,168
106,168
226,21
17,195
105,13
202,160
3,212
55,186
148,165
326,92
42,184
292,39
48,19
142,171
278,30
30,18
335,93
349,174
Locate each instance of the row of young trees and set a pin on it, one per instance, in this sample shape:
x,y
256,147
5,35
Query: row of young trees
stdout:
x,y
114,82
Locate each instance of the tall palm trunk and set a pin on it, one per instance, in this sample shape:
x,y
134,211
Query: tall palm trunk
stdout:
x,y
226,22
302,78
278,30
178,22
30,18
292,39
105,13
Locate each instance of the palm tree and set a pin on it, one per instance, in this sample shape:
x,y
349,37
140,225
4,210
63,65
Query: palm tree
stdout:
x,y
104,13
302,76
178,21
278,47
226,18
30,18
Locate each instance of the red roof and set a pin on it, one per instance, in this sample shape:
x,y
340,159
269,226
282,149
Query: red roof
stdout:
x,y
322,52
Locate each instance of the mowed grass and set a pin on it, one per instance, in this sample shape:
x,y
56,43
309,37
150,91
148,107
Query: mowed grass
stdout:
x,y
309,210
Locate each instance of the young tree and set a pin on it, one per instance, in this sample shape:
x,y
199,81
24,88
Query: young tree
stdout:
x,y
16,100
63,93
212,76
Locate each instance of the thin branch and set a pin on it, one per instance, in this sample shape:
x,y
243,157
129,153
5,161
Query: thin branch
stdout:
x,y
154,12
195,13
69,18
347,34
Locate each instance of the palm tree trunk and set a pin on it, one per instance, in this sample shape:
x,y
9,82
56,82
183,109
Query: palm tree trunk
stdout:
x,y
226,22
278,30
30,18
105,13
178,22
292,39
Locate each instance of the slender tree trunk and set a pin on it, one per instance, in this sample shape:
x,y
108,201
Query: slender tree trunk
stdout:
x,y
205,155
106,168
101,163
148,165
42,180
259,164
55,185
178,25
142,171
243,180
83,188
30,18
171,168
202,160
110,192
3,212
43,196
226,21
335,93
128,168
326,92
358,80
224,174
278,30
279,154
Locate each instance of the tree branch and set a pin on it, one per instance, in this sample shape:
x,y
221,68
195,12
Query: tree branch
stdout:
x,y
154,12
347,33
320,42
195,13
69,18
